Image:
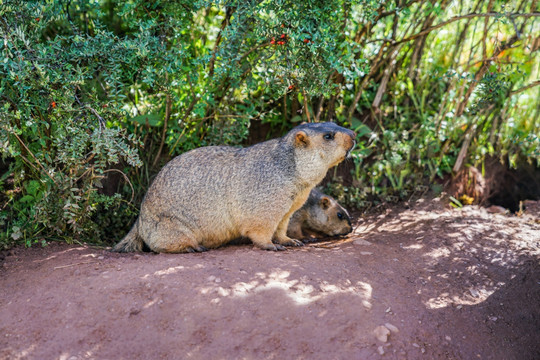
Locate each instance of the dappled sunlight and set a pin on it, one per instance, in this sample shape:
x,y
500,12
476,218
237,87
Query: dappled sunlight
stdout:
x,y
413,247
59,253
168,271
172,270
473,296
88,354
464,256
298,290
23,354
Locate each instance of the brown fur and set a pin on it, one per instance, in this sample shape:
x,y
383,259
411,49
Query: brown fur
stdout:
x,y
322,214
208,196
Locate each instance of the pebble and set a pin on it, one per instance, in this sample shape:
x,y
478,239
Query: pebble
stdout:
x,y
365,253
101,257
211,278
391,327
448,338
380,349
381,333
361,242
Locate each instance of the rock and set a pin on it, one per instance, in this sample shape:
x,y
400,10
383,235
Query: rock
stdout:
x,y
380,350
361,242
448,338
494,209
365,253
391,327
415,345
532,207
381,333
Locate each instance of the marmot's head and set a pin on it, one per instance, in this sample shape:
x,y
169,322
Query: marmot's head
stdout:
x,y
326,215
320,146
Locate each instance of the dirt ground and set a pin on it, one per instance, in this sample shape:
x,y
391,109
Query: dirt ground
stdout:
x,y
421,283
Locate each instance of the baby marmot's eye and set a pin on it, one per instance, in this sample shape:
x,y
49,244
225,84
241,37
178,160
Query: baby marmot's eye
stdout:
x,y
328,136
340,216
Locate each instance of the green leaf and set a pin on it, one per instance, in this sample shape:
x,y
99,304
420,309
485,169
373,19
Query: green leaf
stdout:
x,y
151,119
27,199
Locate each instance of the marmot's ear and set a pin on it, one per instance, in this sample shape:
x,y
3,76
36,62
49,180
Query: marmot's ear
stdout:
x,y
301,138
325,202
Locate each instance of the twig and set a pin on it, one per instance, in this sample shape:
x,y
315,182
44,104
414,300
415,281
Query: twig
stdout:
x,y
168,106
306,106
81,263
31,153
127,179
228,13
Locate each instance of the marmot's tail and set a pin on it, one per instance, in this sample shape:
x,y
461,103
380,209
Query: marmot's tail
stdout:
x,y
131,242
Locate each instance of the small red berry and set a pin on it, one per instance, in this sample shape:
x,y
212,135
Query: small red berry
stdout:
x,y
291,87
282,25
283,36
273,42
53,104
306,41
37,19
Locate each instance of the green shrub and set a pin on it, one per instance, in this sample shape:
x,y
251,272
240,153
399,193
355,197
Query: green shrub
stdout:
x,y
90,91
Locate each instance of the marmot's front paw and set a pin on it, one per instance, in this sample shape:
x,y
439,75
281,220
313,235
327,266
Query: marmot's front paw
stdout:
x,y
290,242
273,247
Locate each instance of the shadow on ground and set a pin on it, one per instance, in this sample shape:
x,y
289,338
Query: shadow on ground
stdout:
x,y
445,284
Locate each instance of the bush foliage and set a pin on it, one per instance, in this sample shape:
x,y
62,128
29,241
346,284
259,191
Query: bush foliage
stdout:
x,y
95,96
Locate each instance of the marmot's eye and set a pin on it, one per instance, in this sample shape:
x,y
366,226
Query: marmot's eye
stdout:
x,y
340,216
328,136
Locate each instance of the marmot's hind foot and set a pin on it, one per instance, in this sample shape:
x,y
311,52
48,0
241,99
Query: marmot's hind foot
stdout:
x,y
196,249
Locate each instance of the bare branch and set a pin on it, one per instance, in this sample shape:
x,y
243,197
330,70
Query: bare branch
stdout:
x,y
460,17
533,84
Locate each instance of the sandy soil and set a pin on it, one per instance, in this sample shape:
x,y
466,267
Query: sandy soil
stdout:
x,y
420,283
